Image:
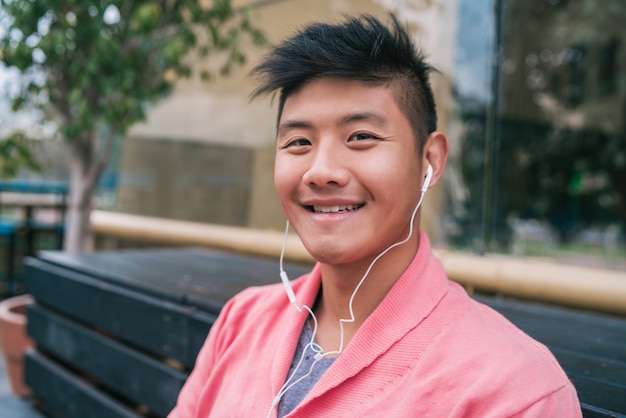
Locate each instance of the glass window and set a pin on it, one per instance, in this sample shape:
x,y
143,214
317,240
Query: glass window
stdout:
x,y
541,96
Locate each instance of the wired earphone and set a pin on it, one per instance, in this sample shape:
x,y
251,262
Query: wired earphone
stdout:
x,y
319,353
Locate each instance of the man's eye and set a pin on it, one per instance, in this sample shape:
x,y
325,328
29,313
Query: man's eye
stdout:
x,y
362,136
299,143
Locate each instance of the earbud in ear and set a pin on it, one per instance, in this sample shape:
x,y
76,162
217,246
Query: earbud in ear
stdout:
x,y
427,178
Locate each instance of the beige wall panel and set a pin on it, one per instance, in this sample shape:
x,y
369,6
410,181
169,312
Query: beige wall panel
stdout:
x,y
265,211
185,180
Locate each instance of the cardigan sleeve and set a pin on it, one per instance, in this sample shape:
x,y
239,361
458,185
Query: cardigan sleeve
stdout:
x,y
560,403
190,394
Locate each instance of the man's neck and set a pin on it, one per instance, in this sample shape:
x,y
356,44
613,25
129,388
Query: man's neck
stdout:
x,y
338,286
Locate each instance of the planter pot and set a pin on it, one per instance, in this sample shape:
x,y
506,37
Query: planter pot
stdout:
x,y
14,341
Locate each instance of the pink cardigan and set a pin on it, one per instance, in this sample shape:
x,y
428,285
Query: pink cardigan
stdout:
x,y
428,350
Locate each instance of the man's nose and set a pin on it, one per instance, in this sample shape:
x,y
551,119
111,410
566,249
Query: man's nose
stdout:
x,y
328,166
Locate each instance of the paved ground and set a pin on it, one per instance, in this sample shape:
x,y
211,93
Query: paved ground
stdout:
x,y
12,406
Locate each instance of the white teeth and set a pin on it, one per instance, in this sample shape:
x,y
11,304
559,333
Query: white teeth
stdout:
x,y
335,209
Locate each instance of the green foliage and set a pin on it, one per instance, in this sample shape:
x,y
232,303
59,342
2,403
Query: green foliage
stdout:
x,y
100,62
15,154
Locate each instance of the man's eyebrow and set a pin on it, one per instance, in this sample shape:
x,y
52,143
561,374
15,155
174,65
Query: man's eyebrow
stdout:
x,y
345,120
361,116
294,124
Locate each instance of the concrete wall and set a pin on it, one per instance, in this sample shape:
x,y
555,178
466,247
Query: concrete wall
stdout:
x,y
185,180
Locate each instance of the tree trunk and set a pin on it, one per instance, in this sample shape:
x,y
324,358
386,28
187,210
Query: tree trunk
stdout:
x,y
78,233
87,163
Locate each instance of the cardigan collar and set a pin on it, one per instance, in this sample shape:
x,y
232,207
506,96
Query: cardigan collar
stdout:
x,y
408,302
306,288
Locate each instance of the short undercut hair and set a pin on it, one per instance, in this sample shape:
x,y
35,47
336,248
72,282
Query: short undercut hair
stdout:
x,y
359,48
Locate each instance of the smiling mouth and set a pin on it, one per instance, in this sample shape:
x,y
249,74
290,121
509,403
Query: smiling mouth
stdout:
x,y
334,209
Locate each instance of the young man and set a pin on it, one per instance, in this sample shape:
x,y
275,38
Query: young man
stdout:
x,y
376,329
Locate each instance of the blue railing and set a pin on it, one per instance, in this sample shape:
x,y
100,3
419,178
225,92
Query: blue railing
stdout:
x,y
34,186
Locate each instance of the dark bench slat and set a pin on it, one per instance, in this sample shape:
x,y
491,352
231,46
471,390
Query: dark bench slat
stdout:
x,y
600,394
595,412
601,368
63,395
594,333
556,338
122,370
157,326
601,324
202,278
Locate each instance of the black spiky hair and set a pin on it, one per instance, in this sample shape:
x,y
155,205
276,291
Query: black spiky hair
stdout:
x,y
359,48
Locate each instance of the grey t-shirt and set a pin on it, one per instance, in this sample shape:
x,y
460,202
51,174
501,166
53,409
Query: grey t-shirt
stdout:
x,y
294,395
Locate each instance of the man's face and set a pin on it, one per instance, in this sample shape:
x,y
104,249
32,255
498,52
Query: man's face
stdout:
x,y
347,170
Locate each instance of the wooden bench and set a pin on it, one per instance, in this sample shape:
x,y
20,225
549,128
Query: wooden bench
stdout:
x,y
117,333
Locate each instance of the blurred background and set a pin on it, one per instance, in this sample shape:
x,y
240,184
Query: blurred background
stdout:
x,y
531,94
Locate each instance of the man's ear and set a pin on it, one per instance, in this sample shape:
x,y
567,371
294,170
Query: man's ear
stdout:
x,y
435,153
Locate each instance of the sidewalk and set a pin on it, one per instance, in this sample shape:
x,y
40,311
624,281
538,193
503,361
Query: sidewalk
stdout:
x,y
12,406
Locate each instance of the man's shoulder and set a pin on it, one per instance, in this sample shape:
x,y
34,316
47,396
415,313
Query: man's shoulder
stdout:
x,y
491,358
484,330
501,352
